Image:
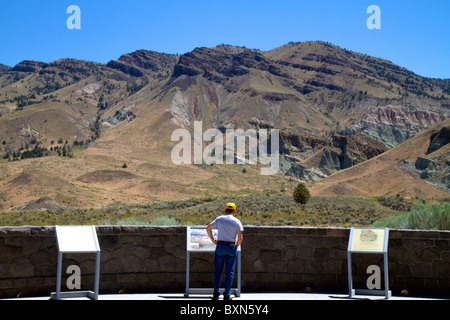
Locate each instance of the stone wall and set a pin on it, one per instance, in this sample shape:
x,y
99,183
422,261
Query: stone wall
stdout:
x,y
153,259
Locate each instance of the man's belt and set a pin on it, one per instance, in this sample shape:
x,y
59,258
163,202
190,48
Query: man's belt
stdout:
x,y
227,242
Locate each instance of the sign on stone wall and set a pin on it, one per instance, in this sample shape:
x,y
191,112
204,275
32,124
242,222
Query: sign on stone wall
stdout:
x,y
76,239
368,240
197,240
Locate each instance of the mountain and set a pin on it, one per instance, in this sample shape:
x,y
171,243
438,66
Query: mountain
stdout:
x,y
143,62
4,69
309,90
87,134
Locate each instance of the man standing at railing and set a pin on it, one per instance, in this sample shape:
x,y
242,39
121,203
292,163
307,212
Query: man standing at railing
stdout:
x,y
229,238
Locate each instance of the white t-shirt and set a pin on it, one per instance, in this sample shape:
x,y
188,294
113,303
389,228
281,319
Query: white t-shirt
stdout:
x,y
227,227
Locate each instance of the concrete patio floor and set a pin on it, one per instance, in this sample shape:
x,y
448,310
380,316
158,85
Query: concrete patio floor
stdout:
x,y
243,297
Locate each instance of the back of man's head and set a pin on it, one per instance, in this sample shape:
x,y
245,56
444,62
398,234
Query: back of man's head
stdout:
x,y
230,208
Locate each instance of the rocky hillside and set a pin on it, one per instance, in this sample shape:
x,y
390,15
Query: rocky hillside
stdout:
x,y
65,99
143,62
335,109
418,166
314,92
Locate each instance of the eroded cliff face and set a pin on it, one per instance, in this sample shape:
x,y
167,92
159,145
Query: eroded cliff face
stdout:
x,y
439,140
435,166
312,159
394,124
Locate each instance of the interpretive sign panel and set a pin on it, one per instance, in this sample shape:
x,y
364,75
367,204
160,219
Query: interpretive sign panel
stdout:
x,y
368,240
76,239
198,240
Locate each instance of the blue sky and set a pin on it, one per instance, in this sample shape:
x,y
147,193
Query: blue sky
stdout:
x,y
414,34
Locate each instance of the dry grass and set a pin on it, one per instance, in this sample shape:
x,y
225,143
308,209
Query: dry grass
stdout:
x,y
270,209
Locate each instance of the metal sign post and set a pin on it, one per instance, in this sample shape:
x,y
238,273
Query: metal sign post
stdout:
x,y
197,240
76,239
368,240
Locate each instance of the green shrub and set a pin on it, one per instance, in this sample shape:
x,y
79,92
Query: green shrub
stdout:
x,y
435,216
395,202
301,193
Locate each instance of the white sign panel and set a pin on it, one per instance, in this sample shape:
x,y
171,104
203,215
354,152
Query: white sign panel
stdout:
x,y
197,239
368,240
77,239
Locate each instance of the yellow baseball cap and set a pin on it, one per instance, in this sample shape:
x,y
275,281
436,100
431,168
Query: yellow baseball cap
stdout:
x,y
230,205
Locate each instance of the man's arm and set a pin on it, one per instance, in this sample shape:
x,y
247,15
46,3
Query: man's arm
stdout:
x,y
240,238
210,235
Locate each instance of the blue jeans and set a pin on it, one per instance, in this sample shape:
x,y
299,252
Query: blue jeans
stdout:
x,y
225,254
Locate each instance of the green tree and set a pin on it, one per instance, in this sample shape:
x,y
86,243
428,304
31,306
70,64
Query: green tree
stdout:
x,y
301,194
